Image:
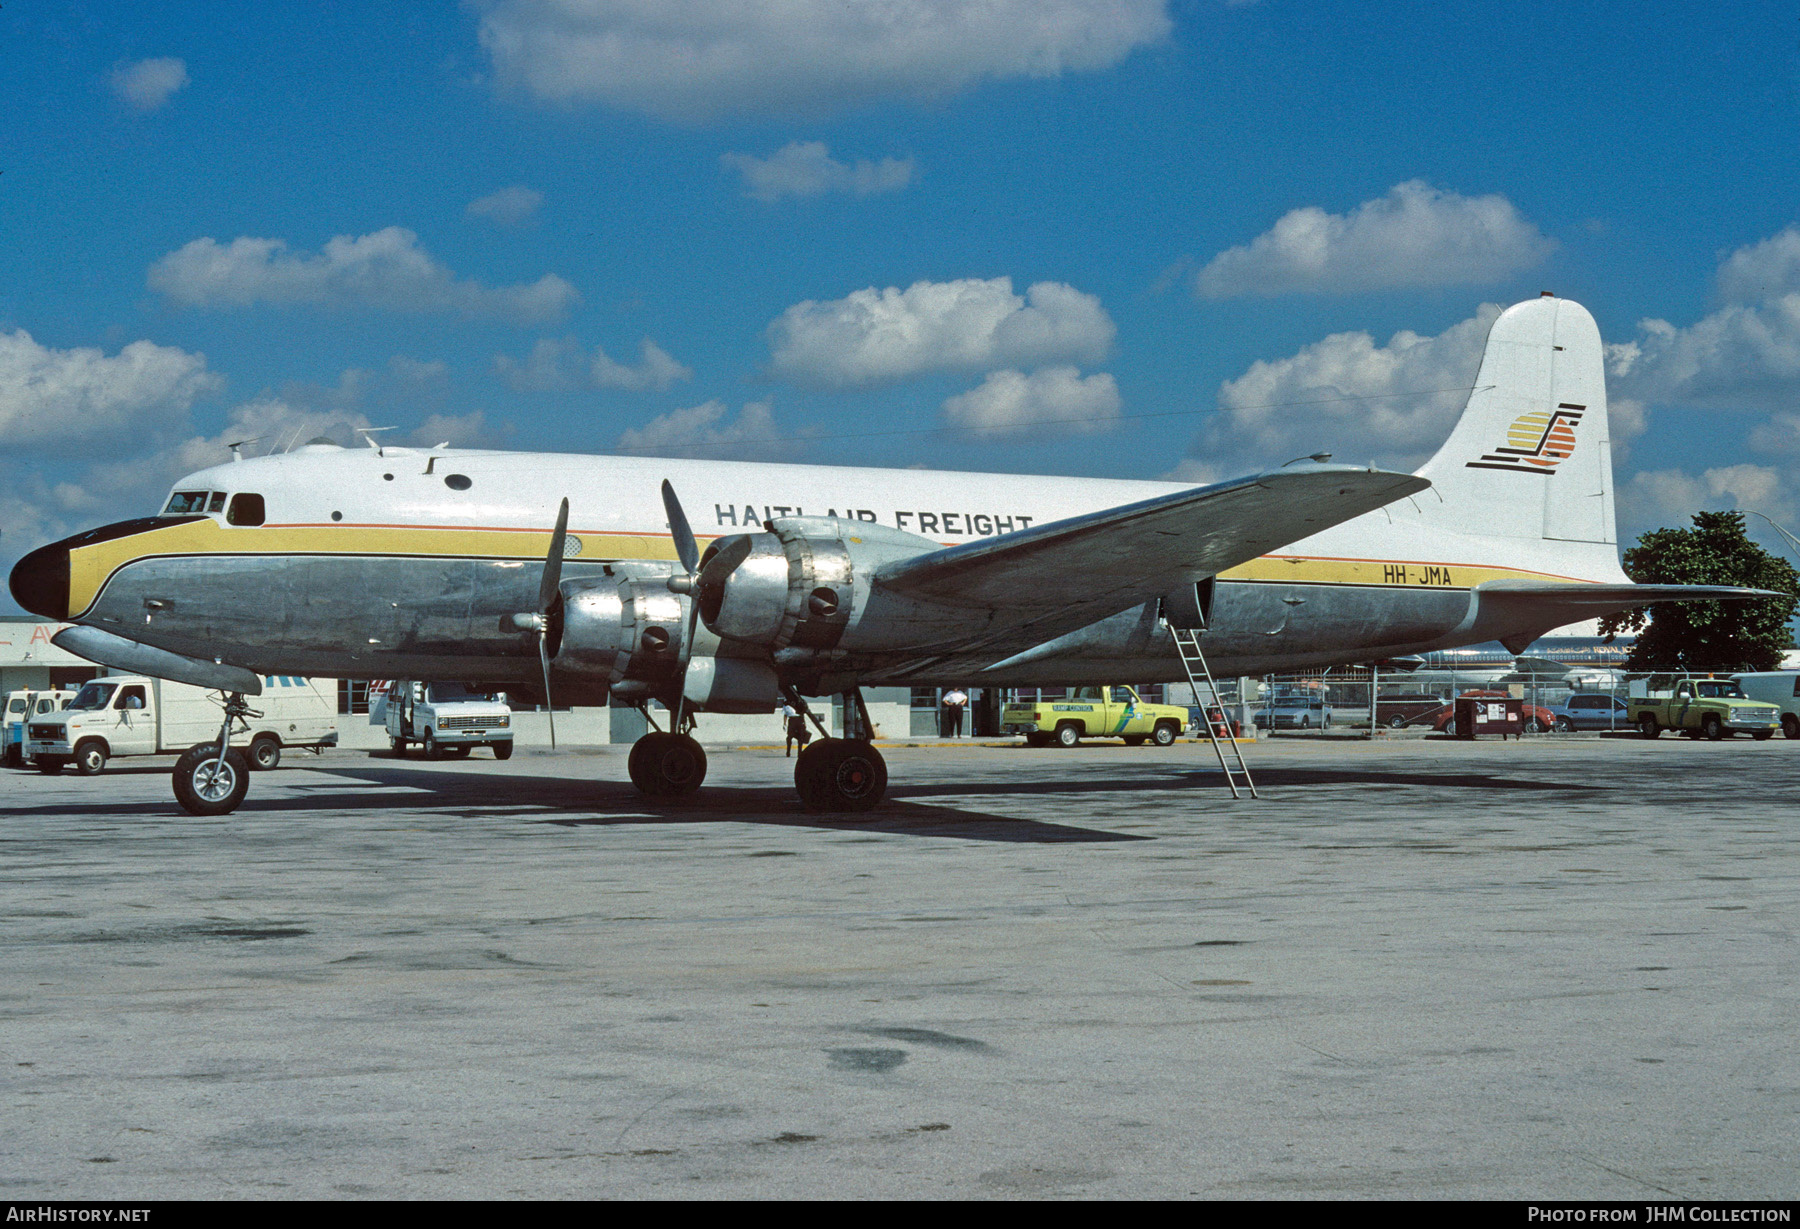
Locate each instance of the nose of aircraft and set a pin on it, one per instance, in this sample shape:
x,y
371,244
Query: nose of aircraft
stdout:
x,y
40,581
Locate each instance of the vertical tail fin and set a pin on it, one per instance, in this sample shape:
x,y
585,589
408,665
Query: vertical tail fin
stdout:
x,y
1531,456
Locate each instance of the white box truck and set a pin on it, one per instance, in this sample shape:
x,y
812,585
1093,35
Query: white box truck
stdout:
x,y
1780,688
21,706
444,718
133,714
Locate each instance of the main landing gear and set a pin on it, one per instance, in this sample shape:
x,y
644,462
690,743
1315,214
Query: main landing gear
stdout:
x,y
832,774
212,778
841,774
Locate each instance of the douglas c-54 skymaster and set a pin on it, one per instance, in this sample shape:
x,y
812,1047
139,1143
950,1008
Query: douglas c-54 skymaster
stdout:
x,y
568,576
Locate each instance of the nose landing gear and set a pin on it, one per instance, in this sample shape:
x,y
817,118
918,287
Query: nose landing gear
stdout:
x,y
212,778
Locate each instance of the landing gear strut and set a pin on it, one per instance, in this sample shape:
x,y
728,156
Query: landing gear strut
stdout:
x,y
212,778
841,774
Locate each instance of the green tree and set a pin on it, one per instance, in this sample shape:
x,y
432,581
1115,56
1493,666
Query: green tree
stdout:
x,y
1750,635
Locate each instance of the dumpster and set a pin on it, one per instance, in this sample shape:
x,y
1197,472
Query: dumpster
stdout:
x,y
1489,715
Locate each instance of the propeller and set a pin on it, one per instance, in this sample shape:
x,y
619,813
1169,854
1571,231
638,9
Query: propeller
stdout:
x,y
688,551
549,588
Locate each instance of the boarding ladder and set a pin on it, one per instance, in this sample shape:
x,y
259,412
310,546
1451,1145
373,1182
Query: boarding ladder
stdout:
x,y
1187,643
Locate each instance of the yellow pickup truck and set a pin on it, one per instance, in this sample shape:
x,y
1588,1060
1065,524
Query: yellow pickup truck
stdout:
x,y
1095,712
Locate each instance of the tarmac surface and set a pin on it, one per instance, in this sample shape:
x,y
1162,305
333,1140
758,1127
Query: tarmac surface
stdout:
x,y
1563,968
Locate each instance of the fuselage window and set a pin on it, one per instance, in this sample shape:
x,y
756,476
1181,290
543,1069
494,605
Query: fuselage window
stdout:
x,y
458,482
186,503
246,509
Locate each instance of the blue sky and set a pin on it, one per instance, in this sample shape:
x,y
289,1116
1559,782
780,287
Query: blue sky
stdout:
x,y
1120,237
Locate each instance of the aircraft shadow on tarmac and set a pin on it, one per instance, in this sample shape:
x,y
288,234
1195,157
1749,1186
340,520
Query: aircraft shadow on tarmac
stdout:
x,y
583,802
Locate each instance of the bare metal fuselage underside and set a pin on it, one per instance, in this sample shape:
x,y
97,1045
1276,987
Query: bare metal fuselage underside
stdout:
x,y
446,618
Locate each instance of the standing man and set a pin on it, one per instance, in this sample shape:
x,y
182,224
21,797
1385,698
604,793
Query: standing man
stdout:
x,y
795,723
955,700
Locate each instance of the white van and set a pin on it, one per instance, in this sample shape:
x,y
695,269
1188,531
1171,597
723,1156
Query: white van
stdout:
x,y
21,707
1780,688
133,714
442,718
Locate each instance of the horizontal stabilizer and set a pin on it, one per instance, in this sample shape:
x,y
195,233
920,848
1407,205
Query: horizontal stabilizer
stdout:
x,y
1069,573
1540,606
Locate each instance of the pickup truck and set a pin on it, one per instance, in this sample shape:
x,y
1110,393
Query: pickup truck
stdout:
x,y
1095,712
1711,708
133,714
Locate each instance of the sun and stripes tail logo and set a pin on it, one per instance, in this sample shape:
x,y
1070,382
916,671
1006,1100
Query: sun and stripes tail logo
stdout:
x,y
1537,442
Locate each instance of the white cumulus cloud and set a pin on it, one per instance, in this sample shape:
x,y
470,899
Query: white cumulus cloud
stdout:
x,y
1743,355
1669,498
512,206
1416,235
148,84
1052,400
806,168
705,431
51,397
562,365
873,336
1345,394
697,60
386,269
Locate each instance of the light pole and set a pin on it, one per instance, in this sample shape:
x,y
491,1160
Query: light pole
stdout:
x,y
1792,541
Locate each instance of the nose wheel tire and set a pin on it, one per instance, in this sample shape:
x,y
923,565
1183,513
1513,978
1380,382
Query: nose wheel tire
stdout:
x,y
664,765
840,774
503,751
1165,735
90,759
204,786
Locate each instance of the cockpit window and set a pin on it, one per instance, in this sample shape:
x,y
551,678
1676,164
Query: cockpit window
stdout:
x,y
218,502
246,509
185,503
94,695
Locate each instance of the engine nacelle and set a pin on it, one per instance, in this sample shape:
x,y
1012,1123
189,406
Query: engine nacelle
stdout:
x,y
628,633
803,590
628,630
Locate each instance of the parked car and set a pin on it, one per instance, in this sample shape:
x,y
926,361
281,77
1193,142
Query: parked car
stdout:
x,y
1294,713
1778,687
1591,710
1404,708
1538,719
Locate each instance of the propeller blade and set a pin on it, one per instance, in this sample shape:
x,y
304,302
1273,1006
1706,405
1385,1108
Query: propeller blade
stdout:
x,y
685,547
549,708
553,561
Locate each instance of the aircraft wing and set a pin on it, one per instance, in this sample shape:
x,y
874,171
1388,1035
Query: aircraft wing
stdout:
x,y
1067,574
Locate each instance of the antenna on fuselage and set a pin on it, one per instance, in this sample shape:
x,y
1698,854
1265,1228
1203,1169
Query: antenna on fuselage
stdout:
x,y
368,434
236,448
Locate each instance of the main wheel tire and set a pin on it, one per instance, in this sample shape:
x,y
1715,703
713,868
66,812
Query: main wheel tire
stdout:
x,y
50,765
204,786
429,744
1534,726
1790,725
1648,727
665,765
90,757
1068,734
1305,722
503,751
1711,728
1450,727
1394,723
1564,726
1165,734
265,752
840,774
